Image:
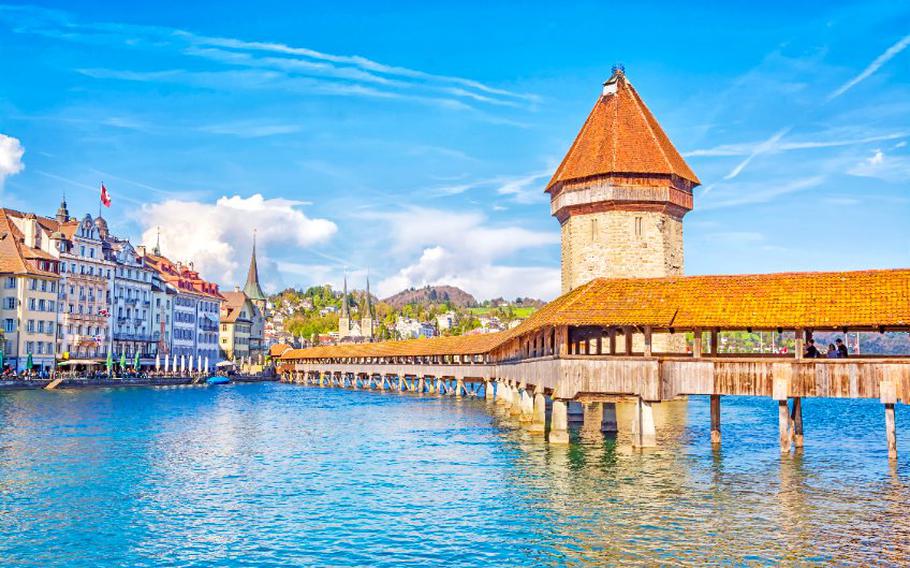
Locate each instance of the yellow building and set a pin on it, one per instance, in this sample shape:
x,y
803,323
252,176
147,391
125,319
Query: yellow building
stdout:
x,y
29,280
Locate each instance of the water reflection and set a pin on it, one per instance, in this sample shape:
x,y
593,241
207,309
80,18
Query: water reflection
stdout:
x,y
285,475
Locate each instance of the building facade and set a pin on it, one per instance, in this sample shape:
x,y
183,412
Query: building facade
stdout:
x,y
29,311
195,305
131,302
237,314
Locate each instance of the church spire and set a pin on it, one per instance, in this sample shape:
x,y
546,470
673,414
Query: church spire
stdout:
x,y
345,312
157,249
63,214
252,288
369,302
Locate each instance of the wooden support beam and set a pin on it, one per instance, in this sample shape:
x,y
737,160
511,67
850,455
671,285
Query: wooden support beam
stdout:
x,y
648,339
715,419
627,334
715,342
800,343
612,333
696,344
888,396
796,416
783,424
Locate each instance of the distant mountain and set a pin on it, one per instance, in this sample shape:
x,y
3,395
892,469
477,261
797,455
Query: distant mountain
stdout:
x,y
432,295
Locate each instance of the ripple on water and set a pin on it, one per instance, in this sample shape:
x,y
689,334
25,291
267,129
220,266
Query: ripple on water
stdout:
x,y
279,475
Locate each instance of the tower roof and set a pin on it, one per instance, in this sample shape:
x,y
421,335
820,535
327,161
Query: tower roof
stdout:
x,y
252,288
620,136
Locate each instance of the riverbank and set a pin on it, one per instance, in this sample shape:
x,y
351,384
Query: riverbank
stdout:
x,y
84,382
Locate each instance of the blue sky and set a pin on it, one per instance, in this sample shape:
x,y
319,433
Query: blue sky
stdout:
x,y
414,140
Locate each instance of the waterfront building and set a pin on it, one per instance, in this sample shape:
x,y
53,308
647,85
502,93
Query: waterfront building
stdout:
x,y
237,314
131,302
195,307
87,277
29,313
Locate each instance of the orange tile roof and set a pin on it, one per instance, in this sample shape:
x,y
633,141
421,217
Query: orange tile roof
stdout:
x,y
182,278
277,349
15,255
620,136
451,345
233,305
866,299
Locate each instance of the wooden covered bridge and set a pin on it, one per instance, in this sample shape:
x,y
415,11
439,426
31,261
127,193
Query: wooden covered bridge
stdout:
x,y
598,345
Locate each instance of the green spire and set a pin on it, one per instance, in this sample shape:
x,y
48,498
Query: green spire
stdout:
x,y
252,289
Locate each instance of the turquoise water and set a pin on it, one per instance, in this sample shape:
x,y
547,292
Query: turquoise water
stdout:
x,y
277,475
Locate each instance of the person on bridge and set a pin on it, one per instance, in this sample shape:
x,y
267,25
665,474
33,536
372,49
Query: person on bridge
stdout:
x,y
832,352
811,350
842,352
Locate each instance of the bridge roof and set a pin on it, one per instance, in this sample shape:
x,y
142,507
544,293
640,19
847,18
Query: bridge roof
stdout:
x,y
454,345
620,136
814,300
866,299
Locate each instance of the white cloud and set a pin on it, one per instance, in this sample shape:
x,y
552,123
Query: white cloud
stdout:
x,y
217,236
464,250
523,189
748,148
11,152
887,168
876,64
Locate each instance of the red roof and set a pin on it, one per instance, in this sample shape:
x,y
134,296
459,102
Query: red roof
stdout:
x,y
182,277
620,136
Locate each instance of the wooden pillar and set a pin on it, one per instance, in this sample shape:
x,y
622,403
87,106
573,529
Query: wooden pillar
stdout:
x,y
888,396
627,334
648,341
644,434
796,416
559,423
562,340
612,341
783,424
696,344
800,344
715,342
715,418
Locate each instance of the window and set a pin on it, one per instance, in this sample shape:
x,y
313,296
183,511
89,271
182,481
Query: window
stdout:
x,y
638,226
9,325
10,282
29,346
10,304
31,304
44,285
30,326
82,250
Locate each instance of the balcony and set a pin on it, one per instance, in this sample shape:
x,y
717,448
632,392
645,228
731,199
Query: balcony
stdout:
x,y
118,336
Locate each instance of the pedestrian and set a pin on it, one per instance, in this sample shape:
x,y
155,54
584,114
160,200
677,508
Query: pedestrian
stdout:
x,y
842,352
832,352
811,350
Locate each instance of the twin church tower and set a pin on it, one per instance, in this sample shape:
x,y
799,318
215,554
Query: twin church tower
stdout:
x,y
620,193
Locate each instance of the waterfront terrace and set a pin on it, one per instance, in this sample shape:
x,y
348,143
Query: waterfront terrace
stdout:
x,y
593,346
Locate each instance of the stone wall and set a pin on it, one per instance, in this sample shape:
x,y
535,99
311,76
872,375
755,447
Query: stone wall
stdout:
x,y
616,244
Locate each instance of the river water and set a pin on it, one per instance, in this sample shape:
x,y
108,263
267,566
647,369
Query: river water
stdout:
x,y
278,475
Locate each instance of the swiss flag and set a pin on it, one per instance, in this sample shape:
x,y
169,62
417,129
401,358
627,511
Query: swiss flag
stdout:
x,y
105,196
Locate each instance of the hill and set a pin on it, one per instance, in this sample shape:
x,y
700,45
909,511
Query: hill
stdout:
x,y
432,295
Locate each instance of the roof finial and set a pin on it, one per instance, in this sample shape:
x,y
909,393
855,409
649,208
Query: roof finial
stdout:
x,y
157,249
612,84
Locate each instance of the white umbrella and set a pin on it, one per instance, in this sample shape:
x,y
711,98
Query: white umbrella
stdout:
x,y
157,361
167,362
206,368
182,364
198,363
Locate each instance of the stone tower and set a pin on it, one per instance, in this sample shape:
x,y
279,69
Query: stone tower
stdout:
x,y
620,193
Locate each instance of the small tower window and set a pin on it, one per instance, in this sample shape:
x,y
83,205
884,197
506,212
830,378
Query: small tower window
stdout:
x,y
638,226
